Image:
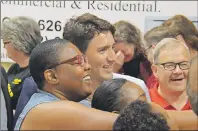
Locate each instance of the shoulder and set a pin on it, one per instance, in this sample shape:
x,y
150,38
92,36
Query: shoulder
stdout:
x,y
67,114
29,81
13,67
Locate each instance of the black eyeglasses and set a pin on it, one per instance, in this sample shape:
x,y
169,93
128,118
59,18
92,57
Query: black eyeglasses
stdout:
x,y
185,65
79,59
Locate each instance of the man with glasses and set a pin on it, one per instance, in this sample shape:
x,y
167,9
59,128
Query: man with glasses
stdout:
x,y
171,62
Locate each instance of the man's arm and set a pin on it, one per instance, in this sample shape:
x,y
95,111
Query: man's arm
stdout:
x,y
186,120
65,115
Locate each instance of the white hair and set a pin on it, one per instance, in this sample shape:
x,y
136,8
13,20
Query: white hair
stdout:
x,y
167,44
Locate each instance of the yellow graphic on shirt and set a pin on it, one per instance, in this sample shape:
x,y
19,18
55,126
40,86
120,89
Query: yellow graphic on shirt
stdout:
x,y
10,91
16,81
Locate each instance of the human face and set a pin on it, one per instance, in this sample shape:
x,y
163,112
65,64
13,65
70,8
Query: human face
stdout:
x,y
101,56
10,50
73,77
155,108
126,49
174,80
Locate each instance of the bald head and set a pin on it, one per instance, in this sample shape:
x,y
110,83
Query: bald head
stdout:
x,y
168,44
192,84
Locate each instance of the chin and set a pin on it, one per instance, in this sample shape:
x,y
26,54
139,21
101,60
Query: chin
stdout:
x,y
128,59
87,89
178,88
107,76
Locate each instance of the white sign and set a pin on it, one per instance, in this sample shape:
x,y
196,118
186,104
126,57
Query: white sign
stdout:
x,y
52,15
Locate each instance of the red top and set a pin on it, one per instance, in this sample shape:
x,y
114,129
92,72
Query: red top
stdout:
x,y
151,82
158,99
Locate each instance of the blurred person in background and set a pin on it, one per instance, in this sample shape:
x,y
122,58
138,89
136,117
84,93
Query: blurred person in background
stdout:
x,y
130,57
20,35
189,33
6,107
192,84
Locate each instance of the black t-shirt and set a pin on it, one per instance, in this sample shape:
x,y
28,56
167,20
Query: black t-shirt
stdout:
x,y
132,68
16,76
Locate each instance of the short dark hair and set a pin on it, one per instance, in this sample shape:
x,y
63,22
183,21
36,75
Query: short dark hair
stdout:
x,y
82,29
43,56
138,116
156,34
107,95
130,34
188,29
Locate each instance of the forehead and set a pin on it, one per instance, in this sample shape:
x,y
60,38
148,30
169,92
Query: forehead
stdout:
x,y
102,39
69,51
123,45
177,54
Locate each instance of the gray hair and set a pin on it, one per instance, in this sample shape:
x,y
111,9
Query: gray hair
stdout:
x,y
22,32
167,44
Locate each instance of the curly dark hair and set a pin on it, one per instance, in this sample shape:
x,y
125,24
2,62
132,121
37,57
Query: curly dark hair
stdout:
x,y
129,34
138,116
82,29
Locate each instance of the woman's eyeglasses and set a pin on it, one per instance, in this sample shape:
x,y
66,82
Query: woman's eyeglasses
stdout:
x,y
79,59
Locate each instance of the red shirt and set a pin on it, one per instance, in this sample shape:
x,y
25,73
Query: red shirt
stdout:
x,y
151,81
158,99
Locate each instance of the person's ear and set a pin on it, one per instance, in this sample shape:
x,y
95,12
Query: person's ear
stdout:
x,y
117,112
154,70
51,76
180,38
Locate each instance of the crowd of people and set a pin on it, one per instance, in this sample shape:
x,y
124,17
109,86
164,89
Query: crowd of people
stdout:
x,y
101,76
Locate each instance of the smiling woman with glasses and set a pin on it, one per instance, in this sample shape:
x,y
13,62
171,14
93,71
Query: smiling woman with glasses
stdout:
x,y
60,90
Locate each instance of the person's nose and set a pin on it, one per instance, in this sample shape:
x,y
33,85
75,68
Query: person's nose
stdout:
x,y
177,70
87,66
111,56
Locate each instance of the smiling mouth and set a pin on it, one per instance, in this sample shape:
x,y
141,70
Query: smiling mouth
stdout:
x,y
87,78
180,79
